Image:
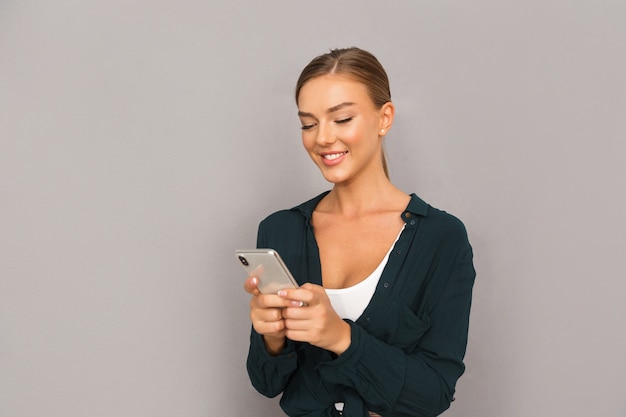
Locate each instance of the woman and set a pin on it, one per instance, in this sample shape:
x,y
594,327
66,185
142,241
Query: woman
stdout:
x,y
379,323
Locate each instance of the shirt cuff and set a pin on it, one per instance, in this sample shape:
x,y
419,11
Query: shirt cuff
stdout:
x,y
288,352
370,366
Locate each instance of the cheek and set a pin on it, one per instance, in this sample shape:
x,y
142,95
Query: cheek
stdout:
x,y
308,141
356,135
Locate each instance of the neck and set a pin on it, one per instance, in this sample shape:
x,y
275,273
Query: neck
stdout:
x,y
365,197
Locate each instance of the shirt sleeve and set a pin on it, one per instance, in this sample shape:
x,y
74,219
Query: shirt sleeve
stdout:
x,y
420,382
269,374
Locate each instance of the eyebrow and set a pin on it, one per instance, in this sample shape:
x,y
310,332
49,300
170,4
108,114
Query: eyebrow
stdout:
x,y
330,110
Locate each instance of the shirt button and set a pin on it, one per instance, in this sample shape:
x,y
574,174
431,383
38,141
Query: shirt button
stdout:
x,y
412,222
386,285
407,215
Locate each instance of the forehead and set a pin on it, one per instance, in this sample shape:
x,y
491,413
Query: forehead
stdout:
x,y
327,91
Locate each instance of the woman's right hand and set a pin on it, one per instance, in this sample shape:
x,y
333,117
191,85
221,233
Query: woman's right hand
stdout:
x,y
266,316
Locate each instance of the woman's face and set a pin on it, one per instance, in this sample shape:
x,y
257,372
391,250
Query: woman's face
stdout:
x,y
342,129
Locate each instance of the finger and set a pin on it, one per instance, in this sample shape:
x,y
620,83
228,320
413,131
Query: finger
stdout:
x,y
298,335
269,301
251,284
269,314
298,304
298,325
301,295
297,313
274,328
267,320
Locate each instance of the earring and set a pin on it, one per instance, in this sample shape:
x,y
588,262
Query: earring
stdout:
x,y
382,131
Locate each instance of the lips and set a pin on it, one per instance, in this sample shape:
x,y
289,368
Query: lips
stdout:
x,y
333,158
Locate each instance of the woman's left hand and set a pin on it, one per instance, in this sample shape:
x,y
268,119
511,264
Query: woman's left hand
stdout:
x,y
311,318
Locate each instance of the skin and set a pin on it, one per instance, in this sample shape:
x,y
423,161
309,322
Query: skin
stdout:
x,y
342,131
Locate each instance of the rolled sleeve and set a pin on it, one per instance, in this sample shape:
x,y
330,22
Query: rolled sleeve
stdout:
x,y
269,374
361,367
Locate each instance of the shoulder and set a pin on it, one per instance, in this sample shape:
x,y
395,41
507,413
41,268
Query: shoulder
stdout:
x,y
297,214
439,224
445,221
281,217
289,223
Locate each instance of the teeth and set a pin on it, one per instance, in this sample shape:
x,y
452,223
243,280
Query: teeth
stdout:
x,y
333,155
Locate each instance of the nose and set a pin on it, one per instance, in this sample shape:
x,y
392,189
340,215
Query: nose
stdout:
x,y
325,135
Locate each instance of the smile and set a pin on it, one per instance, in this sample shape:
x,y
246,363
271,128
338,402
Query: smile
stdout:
x,y
333,156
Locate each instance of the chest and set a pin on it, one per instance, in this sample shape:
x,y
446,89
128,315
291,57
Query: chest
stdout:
x,y
350,250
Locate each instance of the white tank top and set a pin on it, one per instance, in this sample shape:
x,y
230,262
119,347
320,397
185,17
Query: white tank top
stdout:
x,y
349,303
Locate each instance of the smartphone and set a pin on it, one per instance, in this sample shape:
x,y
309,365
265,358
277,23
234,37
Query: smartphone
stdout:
x,y
268,267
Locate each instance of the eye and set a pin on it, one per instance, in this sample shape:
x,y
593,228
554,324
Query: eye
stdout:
x,y
308,127
343,121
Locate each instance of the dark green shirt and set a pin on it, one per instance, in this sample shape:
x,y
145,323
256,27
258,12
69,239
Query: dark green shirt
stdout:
x,y
407,347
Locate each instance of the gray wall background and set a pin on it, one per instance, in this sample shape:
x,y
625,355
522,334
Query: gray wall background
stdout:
x,y
143,141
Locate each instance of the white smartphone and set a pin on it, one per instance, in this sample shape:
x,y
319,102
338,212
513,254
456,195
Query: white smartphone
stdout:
x,y
268,267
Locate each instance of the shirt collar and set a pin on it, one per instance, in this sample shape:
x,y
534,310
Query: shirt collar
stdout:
x,y
416,206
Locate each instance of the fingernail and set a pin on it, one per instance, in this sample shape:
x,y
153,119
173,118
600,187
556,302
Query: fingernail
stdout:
x,y
282,293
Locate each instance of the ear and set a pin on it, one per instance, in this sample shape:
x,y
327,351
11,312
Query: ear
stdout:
x,y
387,112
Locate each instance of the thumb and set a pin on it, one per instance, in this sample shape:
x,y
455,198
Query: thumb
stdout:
x,y
251,286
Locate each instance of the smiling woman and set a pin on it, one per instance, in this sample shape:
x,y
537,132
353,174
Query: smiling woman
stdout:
x,y
356,65
341,127
379,322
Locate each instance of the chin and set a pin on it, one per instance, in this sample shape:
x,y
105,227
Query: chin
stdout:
x,y
334,175
334,179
